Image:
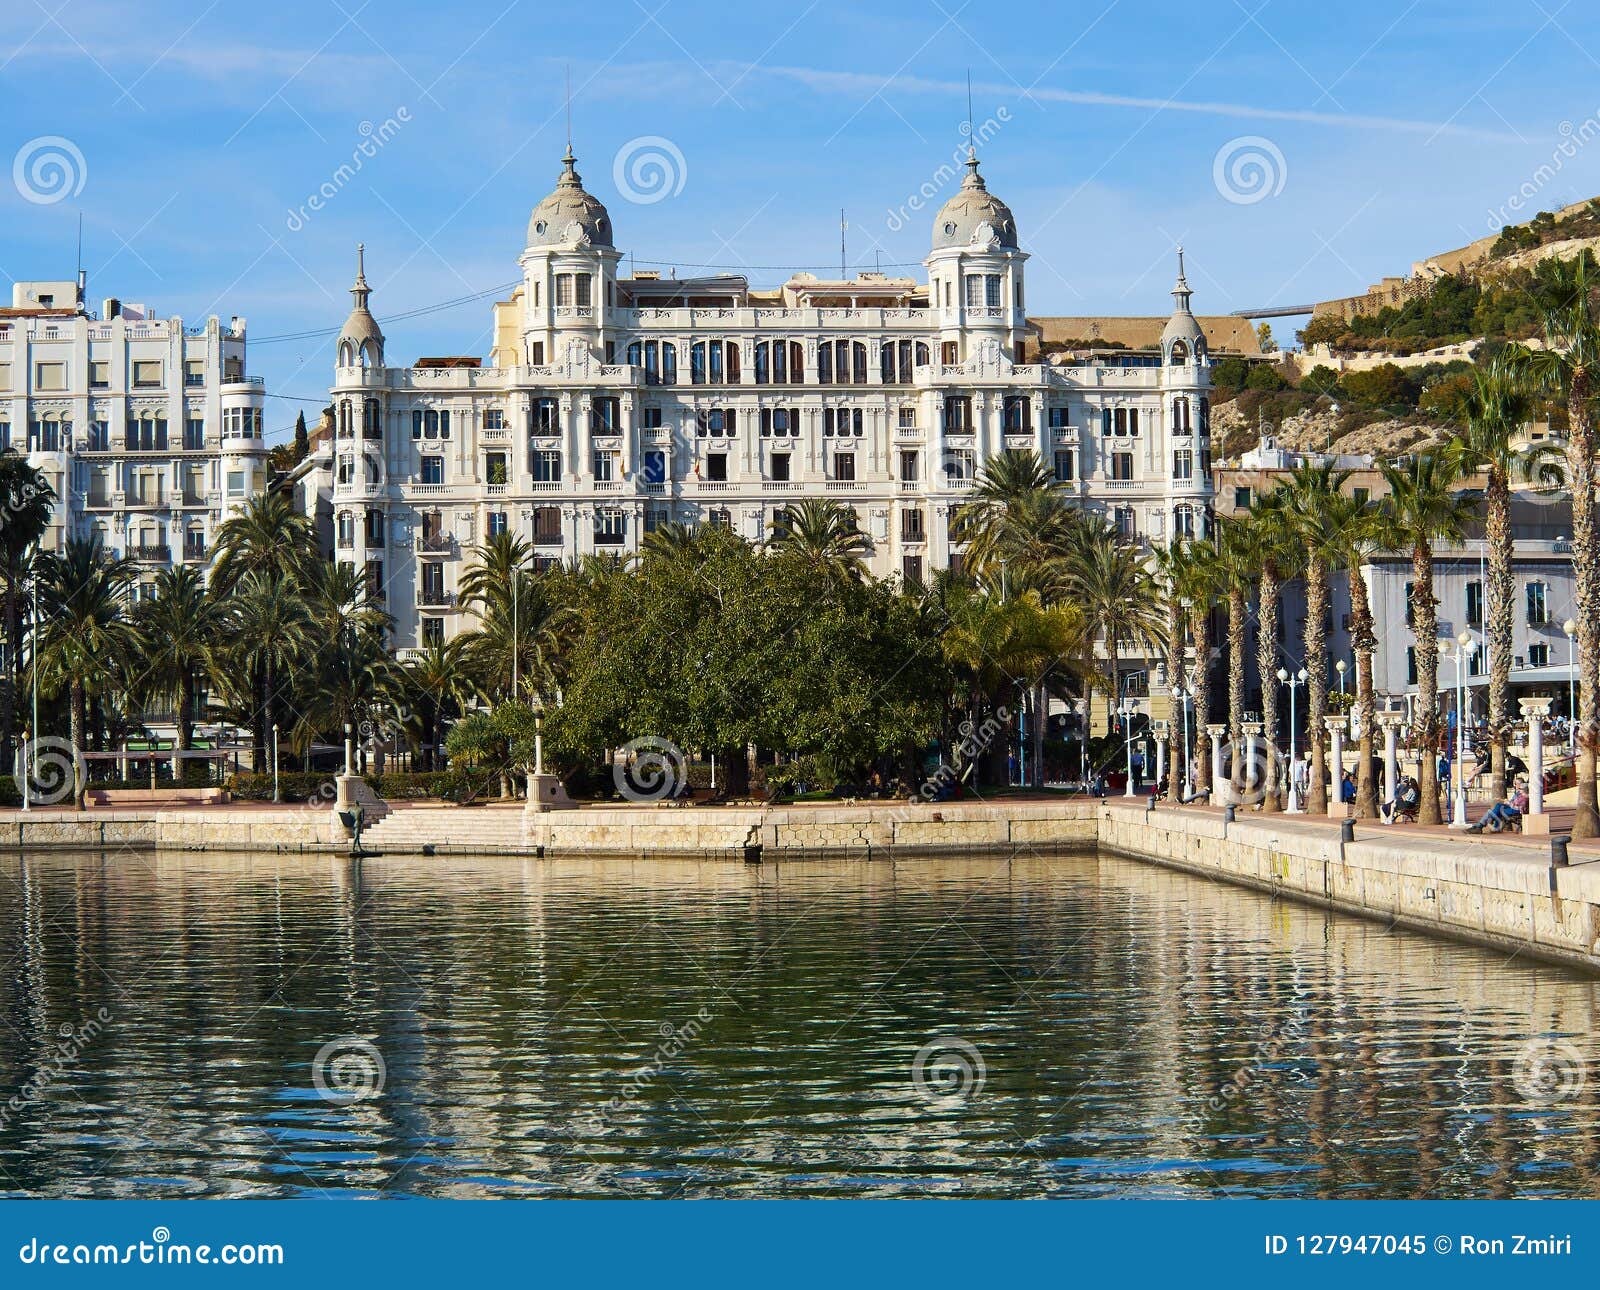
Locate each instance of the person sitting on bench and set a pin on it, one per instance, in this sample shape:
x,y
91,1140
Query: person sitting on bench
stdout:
x,y
1407,797
1503,815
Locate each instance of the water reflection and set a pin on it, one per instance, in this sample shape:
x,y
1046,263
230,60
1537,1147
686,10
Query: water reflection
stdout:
x,y
675,1028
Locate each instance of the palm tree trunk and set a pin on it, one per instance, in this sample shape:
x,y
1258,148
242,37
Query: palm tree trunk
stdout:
x,y
1425,720
1267,670
1365,640
1586,578
1236,679
1200,628
9,684
1175,678
1316,642
79,705
1497,530
1041,712
258,753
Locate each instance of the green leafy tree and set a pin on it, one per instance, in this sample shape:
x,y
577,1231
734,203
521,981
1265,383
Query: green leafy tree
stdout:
x,y
26,502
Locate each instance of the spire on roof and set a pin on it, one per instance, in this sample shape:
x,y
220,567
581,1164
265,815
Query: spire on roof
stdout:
x,y
1181,293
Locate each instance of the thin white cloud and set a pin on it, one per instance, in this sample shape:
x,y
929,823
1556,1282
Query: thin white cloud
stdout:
x,y
860,83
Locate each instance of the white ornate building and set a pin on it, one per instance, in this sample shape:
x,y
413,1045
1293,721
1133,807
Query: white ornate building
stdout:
x,y
149,432
611,405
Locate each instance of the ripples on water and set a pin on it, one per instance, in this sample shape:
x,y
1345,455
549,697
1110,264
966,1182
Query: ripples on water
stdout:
x,y
1140,1033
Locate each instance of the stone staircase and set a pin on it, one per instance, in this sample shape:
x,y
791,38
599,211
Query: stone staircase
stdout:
x,y
447,830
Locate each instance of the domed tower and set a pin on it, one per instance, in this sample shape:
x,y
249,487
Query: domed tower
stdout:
x,y
359,466
568,273
975,269
1186,390
361,340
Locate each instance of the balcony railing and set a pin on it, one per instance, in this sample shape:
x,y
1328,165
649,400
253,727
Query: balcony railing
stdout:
x,y
436,543
435,598
157,551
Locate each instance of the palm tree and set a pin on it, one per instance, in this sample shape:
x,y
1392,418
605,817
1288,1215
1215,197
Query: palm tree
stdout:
x,y
1238,546
522,636
85,631
180,628
1568,366
339,598
1171,575
1281,559
437,678
354,680
1498,405
26,501
498,560
824,535
1110,581
1365,530
668,540
1312,508
268,537
274,631
997,643
1425,507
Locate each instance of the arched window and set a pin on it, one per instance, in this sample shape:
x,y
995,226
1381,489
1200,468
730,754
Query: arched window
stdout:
x,y
347,354
347,530
858,365
372,419
1180,353
1205,416
824,364
922,353
763,363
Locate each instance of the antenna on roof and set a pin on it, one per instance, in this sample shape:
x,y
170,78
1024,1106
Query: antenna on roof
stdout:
x,y
83,284
844,273
972,144
569,107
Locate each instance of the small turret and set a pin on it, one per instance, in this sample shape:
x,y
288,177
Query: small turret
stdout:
x,y
1182,340
361,340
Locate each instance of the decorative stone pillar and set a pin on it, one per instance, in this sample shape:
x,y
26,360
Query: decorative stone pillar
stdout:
x,y
1390,722
1219,794
1253,784
1336,802
1534,711
1159,732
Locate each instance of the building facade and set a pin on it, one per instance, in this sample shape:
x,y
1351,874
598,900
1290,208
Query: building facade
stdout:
x,y
149,432
611,405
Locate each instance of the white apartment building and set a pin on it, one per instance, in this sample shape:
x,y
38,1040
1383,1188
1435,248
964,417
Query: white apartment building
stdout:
x,y
612,404
149,432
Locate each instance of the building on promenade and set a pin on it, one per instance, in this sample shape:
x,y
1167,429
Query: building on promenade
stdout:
x,y
149,432
1542,592
611,404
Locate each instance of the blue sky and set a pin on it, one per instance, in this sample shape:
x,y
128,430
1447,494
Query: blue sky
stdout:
x,y
1386,131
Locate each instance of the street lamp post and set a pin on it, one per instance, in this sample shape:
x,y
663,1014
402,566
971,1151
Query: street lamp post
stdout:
x,y
276,795
1294,682
1183,694
1129,707
1339,667
1571,629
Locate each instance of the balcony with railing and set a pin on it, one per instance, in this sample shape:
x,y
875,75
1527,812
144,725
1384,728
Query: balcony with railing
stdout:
x,y
435,598
150,553
436,544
